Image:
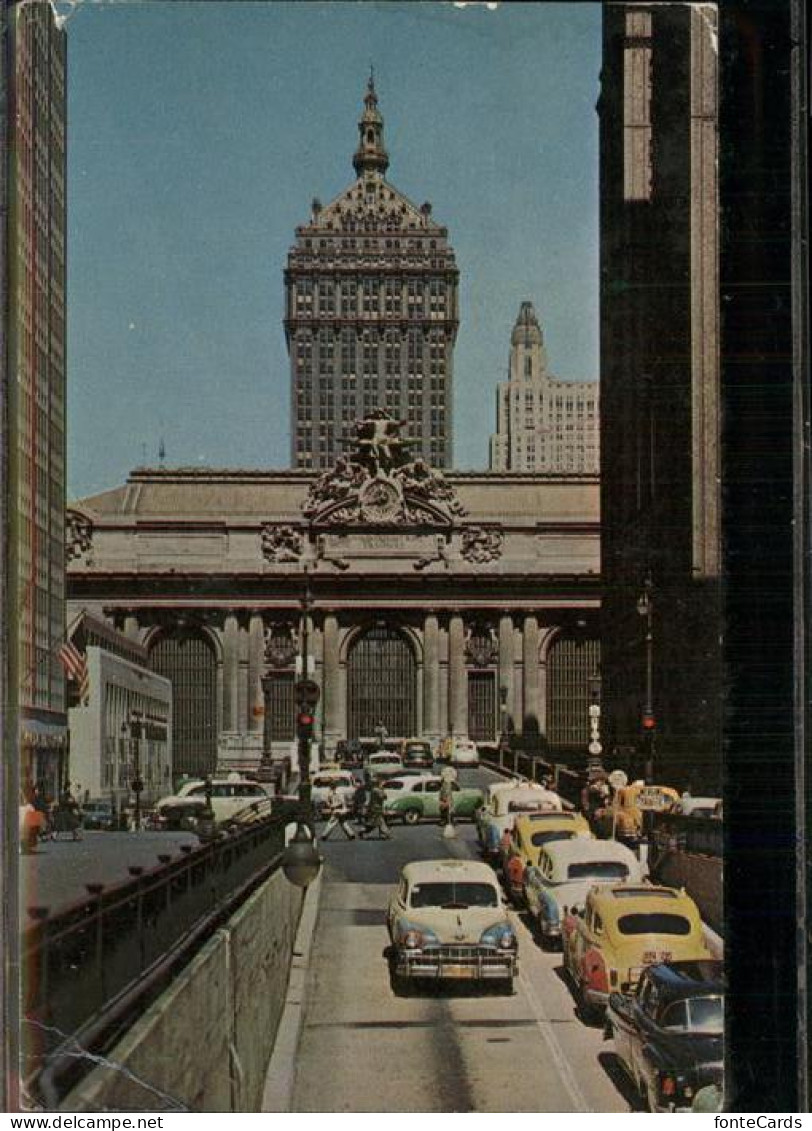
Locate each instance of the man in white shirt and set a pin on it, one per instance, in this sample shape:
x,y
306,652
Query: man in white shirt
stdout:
x,y
336,808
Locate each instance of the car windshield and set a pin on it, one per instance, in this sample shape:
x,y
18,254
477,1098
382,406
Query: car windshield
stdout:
x,y
653,923
453,895
598,870
695,1015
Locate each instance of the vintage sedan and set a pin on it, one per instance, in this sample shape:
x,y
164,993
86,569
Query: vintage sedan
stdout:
x,y
609,942
505,804
520,845
418,797
228,796
416,754
622,819
383,763
565,871
668,1035
447,919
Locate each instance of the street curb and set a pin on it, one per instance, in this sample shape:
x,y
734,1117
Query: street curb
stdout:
x,y
277,1093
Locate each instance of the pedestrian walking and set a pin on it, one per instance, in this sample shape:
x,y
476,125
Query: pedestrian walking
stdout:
x,y
447,801
337,814
375,820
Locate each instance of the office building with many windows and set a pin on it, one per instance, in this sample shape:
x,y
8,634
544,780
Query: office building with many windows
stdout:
x,y
371,314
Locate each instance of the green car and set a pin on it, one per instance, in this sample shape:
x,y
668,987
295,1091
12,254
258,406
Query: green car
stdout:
x,y
418,797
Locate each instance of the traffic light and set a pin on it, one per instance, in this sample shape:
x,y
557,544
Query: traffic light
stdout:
x,y
649,722
304,724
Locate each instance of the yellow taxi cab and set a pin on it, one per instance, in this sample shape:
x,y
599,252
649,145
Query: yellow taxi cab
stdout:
x,y
524,842
622,929
623,818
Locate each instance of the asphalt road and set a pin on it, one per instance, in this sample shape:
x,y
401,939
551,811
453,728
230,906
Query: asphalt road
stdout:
x,y
456,1048
55,875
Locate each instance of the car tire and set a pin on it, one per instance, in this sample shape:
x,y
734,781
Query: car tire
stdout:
x,y
411,816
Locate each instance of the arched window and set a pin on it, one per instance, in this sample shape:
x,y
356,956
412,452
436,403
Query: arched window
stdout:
x,y
186,658
381,684
571,662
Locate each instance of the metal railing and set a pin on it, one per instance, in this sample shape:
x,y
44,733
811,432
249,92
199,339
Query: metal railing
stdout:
x,y
90,969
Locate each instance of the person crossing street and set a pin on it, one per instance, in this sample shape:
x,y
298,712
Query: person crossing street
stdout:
x,y
337,814
375,820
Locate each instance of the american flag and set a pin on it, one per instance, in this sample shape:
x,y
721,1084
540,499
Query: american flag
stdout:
x,y
75,664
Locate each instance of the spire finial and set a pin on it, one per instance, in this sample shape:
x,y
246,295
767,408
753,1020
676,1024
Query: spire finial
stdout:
x,y
371,155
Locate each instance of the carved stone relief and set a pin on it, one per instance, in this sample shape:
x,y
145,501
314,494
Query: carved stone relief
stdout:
x,y
482,544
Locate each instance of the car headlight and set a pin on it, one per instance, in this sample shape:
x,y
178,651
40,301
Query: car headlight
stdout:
x,y
413,937
501,935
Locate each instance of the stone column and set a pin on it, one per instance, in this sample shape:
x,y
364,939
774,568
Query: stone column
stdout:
x,y
331,681
256,664
431,677
506,665
443,703
243,691
457,683
530,673
230,667
546,635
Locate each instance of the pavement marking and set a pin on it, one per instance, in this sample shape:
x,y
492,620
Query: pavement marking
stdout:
x,y
432,1023
544,1025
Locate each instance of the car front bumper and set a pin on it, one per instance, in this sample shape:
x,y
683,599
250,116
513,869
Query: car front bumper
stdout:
x,y
458,962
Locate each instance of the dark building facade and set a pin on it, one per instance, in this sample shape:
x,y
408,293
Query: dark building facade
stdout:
x,y
34,392
371,313
660,388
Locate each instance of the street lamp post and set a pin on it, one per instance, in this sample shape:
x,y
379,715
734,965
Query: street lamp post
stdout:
x,y
645,608
594,763
504,742
136,784
301,862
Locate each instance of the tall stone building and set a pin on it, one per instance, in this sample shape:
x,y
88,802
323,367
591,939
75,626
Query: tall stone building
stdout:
x,y
371,313
34,393
660,387
542,423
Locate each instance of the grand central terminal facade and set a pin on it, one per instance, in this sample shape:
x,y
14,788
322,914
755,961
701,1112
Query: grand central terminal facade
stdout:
x,y
428,604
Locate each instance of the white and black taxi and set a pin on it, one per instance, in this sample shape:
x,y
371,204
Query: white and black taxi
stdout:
x,y
448,920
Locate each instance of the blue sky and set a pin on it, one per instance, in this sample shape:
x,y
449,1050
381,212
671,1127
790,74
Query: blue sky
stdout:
x,y
199,134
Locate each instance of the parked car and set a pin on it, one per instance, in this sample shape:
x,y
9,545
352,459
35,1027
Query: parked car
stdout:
x,y
565,870
668,1034
416,754
458,751
98,814
382,763
608,943
228,796
622,819
504,805
521,846
322,782
418,797
447,919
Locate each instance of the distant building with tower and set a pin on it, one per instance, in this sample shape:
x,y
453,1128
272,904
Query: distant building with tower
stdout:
x,y
371,313
542,423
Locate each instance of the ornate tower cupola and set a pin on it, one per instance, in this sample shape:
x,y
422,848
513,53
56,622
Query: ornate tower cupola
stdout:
x,y
527,331
371,155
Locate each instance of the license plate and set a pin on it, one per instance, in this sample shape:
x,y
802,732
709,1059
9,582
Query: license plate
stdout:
x,y
450,970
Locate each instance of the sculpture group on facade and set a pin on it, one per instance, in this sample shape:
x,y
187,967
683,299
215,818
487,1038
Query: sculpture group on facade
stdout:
x,y
378,483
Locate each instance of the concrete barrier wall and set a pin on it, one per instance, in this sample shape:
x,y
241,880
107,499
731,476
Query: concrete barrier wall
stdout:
x,y
204,1045
701,876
